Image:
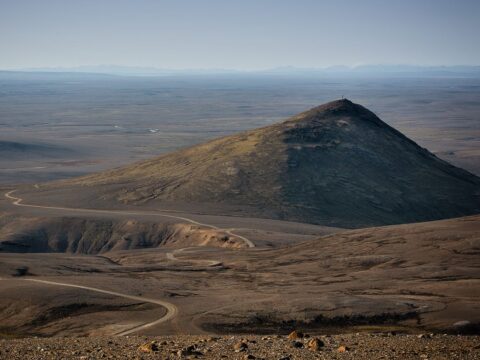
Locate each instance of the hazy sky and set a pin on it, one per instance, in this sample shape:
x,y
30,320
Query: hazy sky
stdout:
x,y
241,34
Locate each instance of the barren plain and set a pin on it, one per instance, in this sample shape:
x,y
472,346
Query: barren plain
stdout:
x,y
84,274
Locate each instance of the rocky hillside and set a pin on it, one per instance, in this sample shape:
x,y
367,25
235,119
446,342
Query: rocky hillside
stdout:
x,y
337,164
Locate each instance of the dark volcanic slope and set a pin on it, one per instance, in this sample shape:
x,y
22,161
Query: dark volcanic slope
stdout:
x,y
336,164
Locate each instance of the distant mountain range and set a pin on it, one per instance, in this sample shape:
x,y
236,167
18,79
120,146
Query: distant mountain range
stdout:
x,y
363,70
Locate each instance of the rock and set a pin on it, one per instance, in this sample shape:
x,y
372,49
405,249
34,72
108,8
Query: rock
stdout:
x,y
249,356
462,323
342,349
189,350
466,327
315,344
240,346
297,344
148,347
294,335
21,271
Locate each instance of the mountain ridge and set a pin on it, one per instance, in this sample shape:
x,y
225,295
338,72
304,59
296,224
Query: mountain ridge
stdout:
x,y
336,164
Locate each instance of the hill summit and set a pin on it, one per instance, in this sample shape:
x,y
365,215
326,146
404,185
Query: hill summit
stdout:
x,y
337,164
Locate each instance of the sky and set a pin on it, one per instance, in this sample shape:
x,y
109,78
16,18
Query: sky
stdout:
x,y
238,34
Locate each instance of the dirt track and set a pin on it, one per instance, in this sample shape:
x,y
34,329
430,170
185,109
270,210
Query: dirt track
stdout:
x,y
19,202
171,309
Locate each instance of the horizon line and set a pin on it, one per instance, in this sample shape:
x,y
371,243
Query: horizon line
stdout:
x,y
338,67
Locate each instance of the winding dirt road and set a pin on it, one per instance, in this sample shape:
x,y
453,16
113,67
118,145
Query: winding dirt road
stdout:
x,y
171,309
171,256
19,202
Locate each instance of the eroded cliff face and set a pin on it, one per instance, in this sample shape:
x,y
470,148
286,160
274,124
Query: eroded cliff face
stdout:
x,y
95,236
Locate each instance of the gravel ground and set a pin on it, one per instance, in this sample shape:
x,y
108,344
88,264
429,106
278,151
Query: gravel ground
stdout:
x,y
350,346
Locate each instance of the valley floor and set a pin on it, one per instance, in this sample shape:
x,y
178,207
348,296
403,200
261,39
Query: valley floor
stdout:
x,y
420,277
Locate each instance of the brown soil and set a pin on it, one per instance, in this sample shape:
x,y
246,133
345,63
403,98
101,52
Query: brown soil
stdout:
x,y
348,346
